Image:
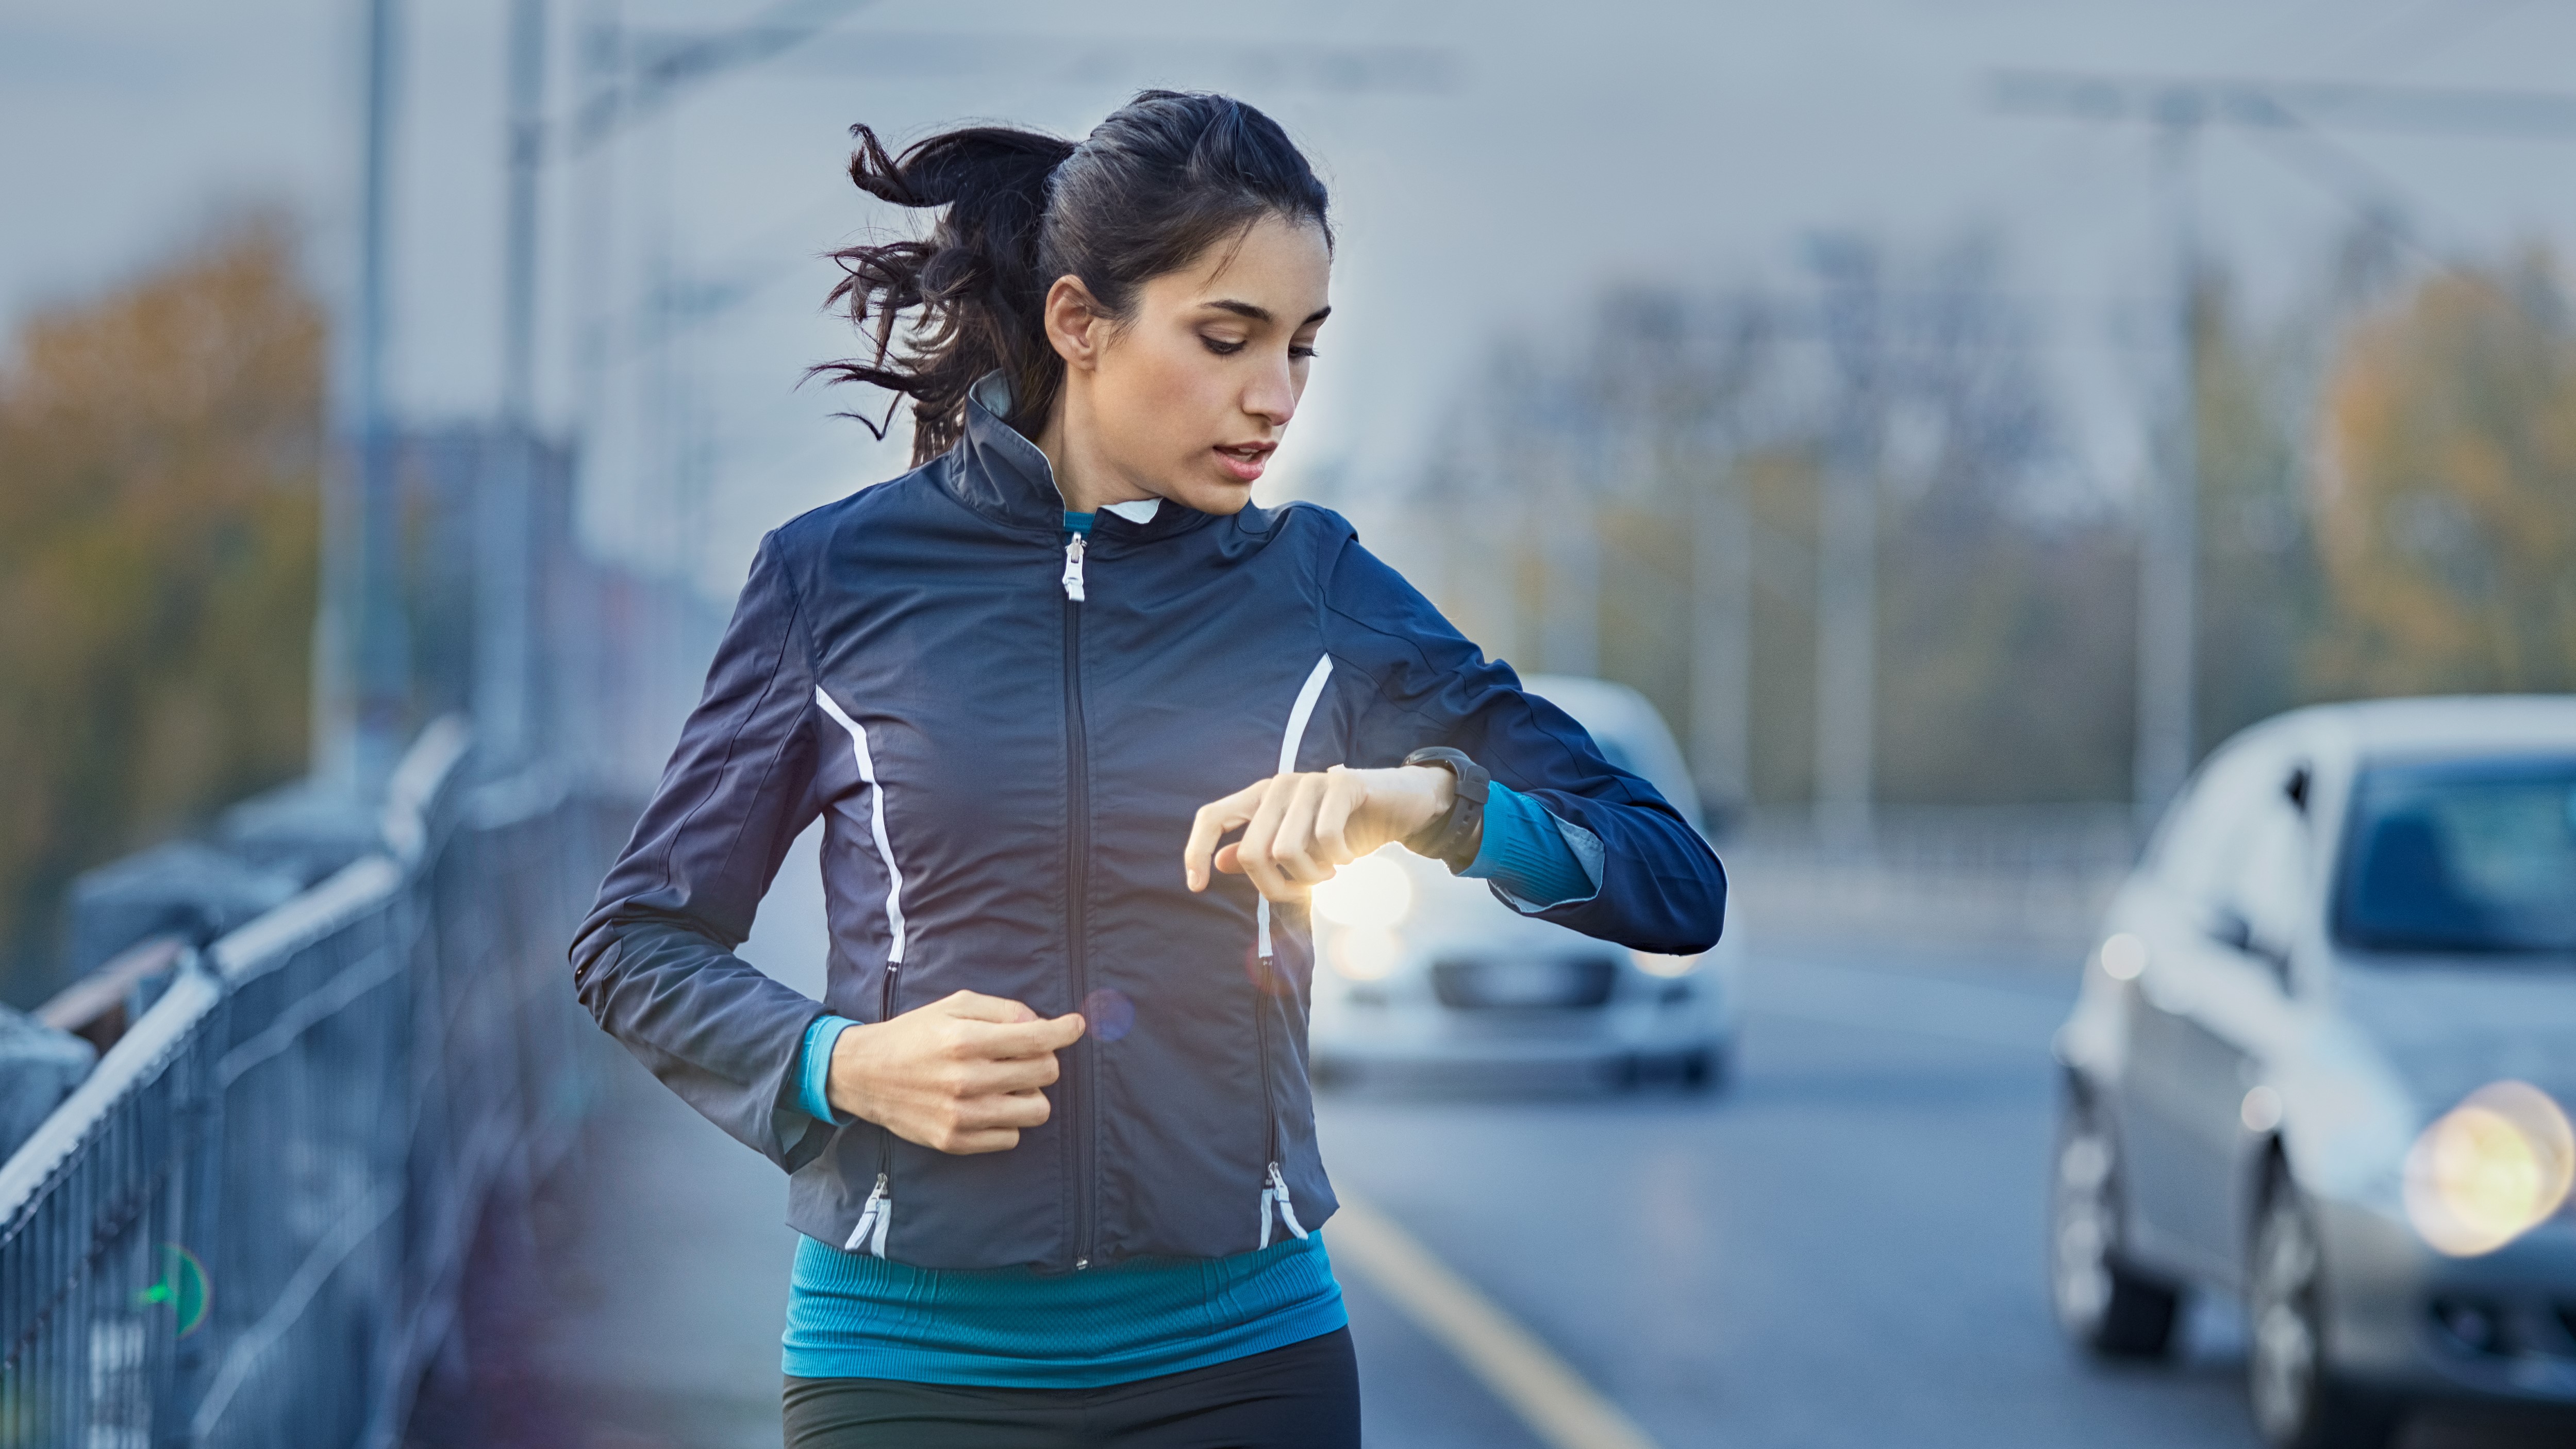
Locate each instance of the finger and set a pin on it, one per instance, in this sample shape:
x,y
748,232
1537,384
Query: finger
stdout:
x,y
1293,848
1213,820
1014,1110
980,1041
1252,852
976,1006
970,1144
1016,1074
1333,819
1230,860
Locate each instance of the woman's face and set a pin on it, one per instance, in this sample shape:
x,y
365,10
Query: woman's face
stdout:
x,y
1189,398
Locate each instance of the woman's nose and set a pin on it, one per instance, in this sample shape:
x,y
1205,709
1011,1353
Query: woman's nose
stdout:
x,y
1272,396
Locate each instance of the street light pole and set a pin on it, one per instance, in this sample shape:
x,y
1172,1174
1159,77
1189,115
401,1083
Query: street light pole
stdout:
x,y
362,674
505,595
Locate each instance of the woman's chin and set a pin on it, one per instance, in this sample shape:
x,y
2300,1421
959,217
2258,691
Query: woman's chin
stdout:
x,y
1220,496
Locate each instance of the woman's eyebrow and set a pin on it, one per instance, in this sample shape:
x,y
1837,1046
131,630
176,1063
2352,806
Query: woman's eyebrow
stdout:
x,y
1258,313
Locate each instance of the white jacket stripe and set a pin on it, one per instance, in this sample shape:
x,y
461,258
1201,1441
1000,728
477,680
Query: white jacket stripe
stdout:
x,y
876,818
1289,740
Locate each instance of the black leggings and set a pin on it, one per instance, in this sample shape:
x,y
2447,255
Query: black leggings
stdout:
x,y
1303,1396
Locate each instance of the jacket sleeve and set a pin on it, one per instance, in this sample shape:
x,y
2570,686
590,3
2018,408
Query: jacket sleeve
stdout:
x,y
654,962
1661,887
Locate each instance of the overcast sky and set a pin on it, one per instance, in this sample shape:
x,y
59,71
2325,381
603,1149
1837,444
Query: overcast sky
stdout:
x,y
1512,161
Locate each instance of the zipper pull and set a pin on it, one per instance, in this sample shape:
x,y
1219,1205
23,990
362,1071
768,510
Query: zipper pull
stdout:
x,y
1276,1195
874,1215
1073,567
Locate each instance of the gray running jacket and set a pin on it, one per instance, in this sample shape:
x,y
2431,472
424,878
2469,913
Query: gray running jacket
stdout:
x,y
1007,729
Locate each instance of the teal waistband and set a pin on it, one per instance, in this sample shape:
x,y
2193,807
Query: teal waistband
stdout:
x,y
853,1316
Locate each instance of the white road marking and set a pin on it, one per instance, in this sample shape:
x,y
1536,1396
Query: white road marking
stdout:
x,y
1525,1374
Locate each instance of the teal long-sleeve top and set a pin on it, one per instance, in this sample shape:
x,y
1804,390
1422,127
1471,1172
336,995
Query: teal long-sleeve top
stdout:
x,y
851,1315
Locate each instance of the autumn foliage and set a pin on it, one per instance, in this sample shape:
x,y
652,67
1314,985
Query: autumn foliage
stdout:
x,y
2445,491
159,456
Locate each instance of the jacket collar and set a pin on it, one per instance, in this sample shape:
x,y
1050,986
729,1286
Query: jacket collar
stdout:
x,y
1002,475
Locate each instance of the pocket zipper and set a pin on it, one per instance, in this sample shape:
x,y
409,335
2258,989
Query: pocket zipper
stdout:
x,y
1274,1187
877,1213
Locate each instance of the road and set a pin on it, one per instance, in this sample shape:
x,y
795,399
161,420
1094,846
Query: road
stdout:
x,y
1840,1249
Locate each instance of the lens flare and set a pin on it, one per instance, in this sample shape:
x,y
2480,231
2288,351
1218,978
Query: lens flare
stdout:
x,y
183,1286
2490,1169
2123,957
1366,953
1108,1013
1372,891
1665,966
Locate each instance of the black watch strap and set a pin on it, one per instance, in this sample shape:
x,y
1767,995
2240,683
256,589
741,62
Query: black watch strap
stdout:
x,y
1454,838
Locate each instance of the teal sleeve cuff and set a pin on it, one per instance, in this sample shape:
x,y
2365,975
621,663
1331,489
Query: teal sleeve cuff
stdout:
x,y
814,1069
1527,854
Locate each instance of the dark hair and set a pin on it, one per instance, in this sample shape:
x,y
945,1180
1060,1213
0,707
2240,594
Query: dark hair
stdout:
x,y
1166,176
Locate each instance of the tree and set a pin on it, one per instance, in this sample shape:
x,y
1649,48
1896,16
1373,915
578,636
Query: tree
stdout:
x,y
2258,604
2445,491
160,449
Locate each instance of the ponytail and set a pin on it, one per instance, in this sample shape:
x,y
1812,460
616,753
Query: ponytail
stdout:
x,y
1153,186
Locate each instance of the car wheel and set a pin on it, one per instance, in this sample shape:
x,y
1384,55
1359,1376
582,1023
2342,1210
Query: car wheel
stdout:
x,y
2298,1403
2102,1304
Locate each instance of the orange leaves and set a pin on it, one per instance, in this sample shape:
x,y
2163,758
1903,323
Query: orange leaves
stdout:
x,y
160,450
2445,489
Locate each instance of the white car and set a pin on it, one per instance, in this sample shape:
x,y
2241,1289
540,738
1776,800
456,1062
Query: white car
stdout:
x,y
1421,968
2323,1059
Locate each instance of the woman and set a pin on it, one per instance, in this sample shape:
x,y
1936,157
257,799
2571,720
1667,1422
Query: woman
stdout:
x,y
1053,1153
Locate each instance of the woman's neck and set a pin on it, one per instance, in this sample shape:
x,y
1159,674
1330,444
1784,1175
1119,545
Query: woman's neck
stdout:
x,y
1085,478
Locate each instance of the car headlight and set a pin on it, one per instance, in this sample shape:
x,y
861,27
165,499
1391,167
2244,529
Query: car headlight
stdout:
x,y
1370,892
1365,953
1666,966
2489,1170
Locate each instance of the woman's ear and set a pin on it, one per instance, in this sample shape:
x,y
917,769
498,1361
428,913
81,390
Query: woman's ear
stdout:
x,y
1074,326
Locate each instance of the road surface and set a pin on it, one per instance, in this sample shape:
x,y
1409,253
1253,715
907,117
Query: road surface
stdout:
x,y
1842,1248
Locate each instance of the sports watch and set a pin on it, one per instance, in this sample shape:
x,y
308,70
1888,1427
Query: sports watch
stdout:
x,y
1454,838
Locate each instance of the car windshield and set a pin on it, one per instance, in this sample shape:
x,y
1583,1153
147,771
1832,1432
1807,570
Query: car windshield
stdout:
x,y
2461,856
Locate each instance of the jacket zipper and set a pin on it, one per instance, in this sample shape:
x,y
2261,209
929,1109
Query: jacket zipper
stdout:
x,y
876,1215
1275,1206
1084,1119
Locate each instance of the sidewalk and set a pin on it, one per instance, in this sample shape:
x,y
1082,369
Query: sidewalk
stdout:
x,y
638,1304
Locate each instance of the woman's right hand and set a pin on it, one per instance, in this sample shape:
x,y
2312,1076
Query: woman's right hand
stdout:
x,y
960,1075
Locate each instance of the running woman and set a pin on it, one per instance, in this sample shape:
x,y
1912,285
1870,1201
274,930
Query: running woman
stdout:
x,y
1051,1146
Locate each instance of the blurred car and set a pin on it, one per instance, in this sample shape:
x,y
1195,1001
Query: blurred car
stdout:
x,y
2322,1058
1422,968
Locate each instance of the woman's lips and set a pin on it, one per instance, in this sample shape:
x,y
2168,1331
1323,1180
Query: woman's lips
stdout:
x,y
1247,461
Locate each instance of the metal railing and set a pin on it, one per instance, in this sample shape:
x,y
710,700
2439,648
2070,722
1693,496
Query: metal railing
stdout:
x,y
249,1225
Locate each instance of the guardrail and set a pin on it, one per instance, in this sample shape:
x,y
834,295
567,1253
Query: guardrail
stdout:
x,y
248,1226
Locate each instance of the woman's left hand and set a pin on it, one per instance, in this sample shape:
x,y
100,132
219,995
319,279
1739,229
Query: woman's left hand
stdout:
x,y
1299,828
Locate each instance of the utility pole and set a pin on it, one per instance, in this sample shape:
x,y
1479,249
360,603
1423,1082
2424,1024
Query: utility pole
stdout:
x,y
506,589
1847,550
362,654
2180,108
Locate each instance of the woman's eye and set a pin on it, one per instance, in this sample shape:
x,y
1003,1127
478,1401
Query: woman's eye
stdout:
x,y
1221,346
1301,353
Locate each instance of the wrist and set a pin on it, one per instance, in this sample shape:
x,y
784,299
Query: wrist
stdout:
x,y
1428,792
1453,836
846,1086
